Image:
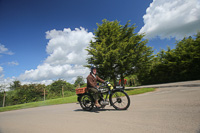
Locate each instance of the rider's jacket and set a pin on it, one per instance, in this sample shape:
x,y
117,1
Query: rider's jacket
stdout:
x,y
92,80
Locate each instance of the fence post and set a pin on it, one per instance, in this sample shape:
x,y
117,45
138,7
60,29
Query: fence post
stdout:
x,y
44,94
4,98
62,91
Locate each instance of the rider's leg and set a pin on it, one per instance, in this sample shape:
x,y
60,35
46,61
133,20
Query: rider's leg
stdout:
x,y
95,95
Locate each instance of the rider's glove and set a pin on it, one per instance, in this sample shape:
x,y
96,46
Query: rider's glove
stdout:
x,y
96,88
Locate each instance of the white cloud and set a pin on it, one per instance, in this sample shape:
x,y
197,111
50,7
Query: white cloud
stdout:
x,y
5,81
4,50
171,18
1,69
13,63
1,72
66,57
70,45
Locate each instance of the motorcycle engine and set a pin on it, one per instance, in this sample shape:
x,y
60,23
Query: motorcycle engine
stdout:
x,y
104,103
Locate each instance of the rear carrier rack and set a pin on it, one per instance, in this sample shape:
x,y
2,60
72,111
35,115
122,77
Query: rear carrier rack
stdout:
x,y
81,90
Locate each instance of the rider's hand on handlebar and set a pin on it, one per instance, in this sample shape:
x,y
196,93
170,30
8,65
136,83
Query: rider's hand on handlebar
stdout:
x,y
97,87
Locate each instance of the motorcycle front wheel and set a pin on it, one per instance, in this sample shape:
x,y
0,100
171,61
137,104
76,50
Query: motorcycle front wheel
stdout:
x,y
120,100
86,102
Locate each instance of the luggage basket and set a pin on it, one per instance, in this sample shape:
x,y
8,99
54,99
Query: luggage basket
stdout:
x,y
81,90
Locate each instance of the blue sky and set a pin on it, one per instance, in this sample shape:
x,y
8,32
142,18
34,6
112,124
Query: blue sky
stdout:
x,y
31,32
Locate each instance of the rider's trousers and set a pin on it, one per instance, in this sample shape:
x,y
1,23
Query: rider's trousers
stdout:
x,y
94,92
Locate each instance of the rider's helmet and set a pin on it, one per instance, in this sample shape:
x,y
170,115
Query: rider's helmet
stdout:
x,y
92,68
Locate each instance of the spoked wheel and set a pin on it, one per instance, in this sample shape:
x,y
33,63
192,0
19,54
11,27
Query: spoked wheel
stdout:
x,y
86,102
120,100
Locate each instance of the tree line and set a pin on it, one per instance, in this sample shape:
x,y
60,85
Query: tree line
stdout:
x,y
19,94
179,64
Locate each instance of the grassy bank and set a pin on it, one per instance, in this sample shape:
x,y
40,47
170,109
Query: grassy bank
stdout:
x,y
139,91
71,99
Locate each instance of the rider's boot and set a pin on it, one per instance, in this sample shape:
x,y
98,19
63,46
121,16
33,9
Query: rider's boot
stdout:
x,y
97,104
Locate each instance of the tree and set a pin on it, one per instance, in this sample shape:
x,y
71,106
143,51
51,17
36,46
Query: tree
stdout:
x,y
25,93
79,81
187,53
56,86
16,84
117,51
3,95
179,64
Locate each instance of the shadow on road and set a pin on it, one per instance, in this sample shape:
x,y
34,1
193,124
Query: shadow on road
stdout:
x,y
96,110
198,131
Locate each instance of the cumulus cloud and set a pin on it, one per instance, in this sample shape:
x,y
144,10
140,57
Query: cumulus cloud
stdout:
x,y
4,50
68,44
66,56
171,19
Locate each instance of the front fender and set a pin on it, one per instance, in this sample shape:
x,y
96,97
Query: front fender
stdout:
x,y
114,90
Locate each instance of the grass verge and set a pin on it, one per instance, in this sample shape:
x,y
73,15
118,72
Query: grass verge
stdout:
x,y
139,91
71,99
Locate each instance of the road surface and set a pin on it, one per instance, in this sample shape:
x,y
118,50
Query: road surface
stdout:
x,y
166,110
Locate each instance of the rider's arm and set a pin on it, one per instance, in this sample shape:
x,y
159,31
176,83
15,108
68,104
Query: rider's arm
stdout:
x,y
99,79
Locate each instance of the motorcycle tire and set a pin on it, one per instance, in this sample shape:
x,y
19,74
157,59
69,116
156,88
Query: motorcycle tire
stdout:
x,y
120,100
87,102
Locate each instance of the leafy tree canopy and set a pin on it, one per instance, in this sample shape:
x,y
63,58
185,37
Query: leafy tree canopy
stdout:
x,y
79,81
117,51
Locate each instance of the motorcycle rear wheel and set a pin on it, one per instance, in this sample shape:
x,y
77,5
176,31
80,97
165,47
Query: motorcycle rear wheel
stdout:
x,y
86,102
120,100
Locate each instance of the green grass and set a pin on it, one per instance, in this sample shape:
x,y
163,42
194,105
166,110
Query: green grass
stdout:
x,y
64,100
71,99
139,91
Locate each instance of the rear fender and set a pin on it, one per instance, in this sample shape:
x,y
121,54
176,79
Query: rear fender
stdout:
x,y
79,97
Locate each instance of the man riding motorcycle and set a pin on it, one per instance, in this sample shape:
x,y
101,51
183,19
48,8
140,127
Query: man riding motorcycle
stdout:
x,y
92,84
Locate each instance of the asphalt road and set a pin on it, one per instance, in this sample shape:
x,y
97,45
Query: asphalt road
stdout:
x,y
166,110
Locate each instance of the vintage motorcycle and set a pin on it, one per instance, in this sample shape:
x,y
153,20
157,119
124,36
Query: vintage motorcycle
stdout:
x,y
118,98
